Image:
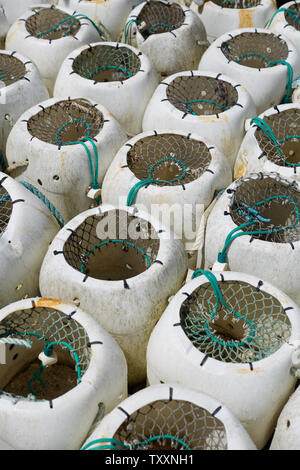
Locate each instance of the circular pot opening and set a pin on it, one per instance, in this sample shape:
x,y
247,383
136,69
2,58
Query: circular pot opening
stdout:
x,y
51,24
11,69
5,209
200,95
237,4
286,129
168,158
23,376
191,426
293,18
273,205
66,122
114,246
249,326
106,63
157,17
256,50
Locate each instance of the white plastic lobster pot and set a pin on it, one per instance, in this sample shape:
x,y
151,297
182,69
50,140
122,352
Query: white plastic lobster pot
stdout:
x,y
184,171
205,103
84,377
286,436
169,34
121,265
287,22
47,35
148,419
246,55
111,13
21,87
221,16
271,203
259,152
235,353
116,75
49,147
26,229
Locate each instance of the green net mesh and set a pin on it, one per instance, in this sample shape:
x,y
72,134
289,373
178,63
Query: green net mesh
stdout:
x,y
35,325
200,95
105,63
165,156
293,20
5,209
11,69
43,24
129,250
193,425
237,4
260,328
157,17
66,121
286,128
255,49
277,201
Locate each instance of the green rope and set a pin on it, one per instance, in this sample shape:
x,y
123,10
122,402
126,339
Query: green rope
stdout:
x,y
290,71
46,201
116,443
235,233
263,125
203,101
17,342
291,13
105,67
113,241
135,189
77,17
157,25
128,26
94,171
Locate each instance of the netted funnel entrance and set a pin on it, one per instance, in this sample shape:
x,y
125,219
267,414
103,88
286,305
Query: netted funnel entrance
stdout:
x,y
190,426
5,209
106,63
114,246
66,122
11,69
256,50
268,207
237,4
282,145
244,325
31,331
200,95
157,17
51,24
292,16
169,159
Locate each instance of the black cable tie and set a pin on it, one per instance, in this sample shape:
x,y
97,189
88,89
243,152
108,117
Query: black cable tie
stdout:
x,y
177,324
126,286
91,343
125,412
219,75
210,171
216,410
251,365
260,283
69,317
18,200
170,394
55,252
204,360
158,261
184,114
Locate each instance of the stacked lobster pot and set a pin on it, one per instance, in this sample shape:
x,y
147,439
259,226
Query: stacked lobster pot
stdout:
x,y
21,87
117,75
47,35
272,143
286,21
64,147
168,418
221,16
172,36
51,374
262,61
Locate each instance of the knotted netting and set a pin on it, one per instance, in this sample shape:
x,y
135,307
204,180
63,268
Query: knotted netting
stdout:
x,y
128,250
292,15
200,95
51,24
168,425
105,63
45,329
278,136
11,69
157,17
233,321
237,4
5,209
